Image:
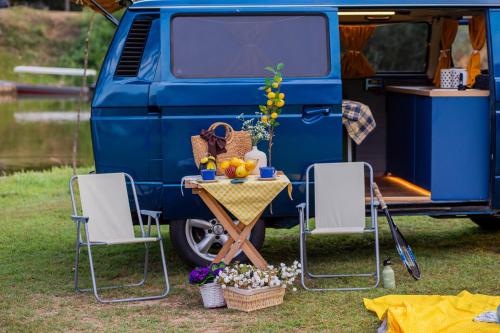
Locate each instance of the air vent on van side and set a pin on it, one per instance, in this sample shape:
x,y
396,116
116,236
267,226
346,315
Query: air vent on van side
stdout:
x,y
130,59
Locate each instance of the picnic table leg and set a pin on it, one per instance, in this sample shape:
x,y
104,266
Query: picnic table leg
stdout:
x,y
242,243
227,246
234,234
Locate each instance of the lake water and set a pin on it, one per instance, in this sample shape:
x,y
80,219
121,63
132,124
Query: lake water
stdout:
x,y
37,134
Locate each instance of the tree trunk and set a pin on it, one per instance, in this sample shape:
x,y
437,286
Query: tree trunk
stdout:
x,y
81,101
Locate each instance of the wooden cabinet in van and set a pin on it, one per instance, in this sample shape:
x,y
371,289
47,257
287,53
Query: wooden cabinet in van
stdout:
x,y
439,140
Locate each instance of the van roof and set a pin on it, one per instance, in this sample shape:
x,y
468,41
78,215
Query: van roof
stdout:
x,y
327,3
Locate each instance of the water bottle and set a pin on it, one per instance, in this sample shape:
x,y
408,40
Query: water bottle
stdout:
x,y
388,279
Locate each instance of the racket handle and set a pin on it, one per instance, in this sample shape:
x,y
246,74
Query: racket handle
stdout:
x,y
379,196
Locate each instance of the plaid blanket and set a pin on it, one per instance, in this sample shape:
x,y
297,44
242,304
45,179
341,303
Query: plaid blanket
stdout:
x,y
357,119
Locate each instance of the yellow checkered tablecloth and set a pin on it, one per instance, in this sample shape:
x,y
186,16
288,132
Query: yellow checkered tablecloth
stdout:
x,y
247,200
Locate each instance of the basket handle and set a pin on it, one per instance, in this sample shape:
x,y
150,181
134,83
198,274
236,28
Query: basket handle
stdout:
x,y
229,130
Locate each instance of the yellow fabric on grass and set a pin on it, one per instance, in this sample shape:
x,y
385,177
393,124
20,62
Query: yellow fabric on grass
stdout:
x,y
434,313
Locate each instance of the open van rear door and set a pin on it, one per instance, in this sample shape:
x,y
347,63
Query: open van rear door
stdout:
x,y
216,63
493,23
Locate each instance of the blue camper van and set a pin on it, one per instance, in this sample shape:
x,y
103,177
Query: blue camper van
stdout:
x,y
175,67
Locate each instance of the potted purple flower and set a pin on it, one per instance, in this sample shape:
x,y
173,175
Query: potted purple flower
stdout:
x,y
211,291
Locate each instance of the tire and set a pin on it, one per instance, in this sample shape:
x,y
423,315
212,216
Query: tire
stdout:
x,y
487,222
187,235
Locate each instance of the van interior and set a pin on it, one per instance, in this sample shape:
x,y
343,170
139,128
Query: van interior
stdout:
x,y
425,147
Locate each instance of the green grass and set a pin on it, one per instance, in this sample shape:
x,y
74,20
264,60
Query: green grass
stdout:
x,y
50,38
37,251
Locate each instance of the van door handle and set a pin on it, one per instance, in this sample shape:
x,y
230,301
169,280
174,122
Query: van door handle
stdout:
x,y
311,114
154,109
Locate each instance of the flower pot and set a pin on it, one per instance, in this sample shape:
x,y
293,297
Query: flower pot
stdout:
x,y
259,156
212,295
253,299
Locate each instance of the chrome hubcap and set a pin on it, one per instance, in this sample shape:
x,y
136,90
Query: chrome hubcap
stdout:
x,y
206,238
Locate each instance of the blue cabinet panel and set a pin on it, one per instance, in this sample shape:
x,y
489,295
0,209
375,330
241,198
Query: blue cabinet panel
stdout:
x,y
460,148
441,144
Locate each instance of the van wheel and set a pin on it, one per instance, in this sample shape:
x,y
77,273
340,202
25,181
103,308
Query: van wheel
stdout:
x,y
198,241
487,222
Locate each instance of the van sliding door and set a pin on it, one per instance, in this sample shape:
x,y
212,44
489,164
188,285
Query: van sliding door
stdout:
x,y
216,65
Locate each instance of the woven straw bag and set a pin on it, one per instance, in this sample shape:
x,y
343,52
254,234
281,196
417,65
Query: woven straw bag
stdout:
x,y
238,143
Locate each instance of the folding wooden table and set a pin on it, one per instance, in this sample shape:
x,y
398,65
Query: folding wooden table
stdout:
x,y
238,233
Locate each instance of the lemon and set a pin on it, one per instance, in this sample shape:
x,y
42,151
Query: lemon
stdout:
x,y
274,115
271,95
275,85
264,119
269,102
250,165
279,79
224,165
281,96
280,103
235,162
268,90
204,160
241,171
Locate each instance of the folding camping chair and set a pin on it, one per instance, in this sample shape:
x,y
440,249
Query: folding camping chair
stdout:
x,y
107,220
339,197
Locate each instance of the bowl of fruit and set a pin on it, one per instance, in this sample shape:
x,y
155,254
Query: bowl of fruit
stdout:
x,y
238,168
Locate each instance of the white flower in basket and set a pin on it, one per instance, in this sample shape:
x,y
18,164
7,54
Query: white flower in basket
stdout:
x,y
247,288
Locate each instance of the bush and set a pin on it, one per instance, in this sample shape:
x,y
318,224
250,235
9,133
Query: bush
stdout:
x,y
100,39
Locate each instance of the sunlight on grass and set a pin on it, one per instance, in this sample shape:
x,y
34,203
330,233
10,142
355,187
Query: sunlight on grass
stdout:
x,y
37,253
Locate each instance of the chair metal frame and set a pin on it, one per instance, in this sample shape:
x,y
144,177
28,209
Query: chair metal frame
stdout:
x,y
305,230
83,220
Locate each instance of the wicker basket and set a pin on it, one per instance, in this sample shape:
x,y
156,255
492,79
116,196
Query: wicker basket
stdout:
x,y
212,295
238,143
255,299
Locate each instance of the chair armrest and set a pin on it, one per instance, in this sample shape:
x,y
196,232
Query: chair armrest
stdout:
x,y
156,216
152,213
77,218
301,206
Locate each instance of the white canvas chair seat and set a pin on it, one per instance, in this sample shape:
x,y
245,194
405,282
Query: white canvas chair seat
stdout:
x,y
339,208
339,196
107,220
326,231
105,202
129,240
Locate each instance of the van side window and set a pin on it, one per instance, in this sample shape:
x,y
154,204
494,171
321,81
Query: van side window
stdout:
x,y
461,49
241,46
399,47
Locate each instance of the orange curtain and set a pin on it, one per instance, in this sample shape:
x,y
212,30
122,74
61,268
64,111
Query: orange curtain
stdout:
x,y
353,39
477,35
448,34
110,5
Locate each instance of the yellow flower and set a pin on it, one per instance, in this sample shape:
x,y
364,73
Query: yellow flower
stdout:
x,y
275,85
279,79
280,103
269,102
271,95
281,96
264,119
274,115
268,90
